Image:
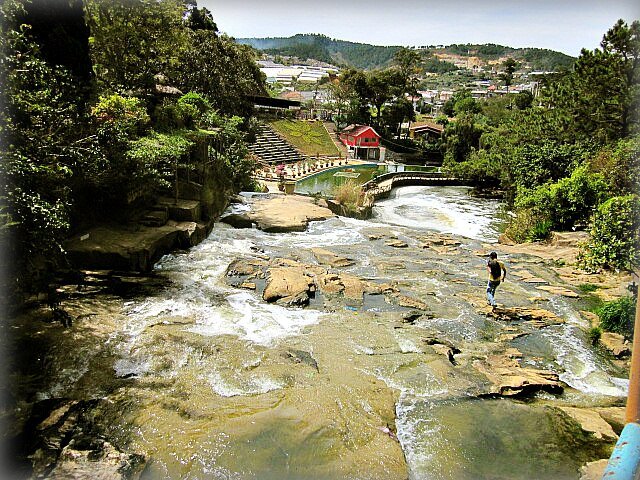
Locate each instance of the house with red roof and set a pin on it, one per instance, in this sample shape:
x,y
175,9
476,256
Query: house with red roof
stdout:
x,y
362,141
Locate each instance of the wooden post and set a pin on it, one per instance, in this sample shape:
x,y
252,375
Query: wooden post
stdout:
x,y
633,399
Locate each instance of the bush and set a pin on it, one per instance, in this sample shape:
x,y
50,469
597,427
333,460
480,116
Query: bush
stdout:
x,y
615,239
120,117
567,202
594,335
528,226
618,316
171,115
348,194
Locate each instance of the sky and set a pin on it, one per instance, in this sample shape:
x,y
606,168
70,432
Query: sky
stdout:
x,y
562,25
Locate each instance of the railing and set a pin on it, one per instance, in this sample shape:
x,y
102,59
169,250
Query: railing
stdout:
x,y
383,184
624,463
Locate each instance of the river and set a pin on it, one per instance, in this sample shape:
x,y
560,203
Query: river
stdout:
x,y
211,382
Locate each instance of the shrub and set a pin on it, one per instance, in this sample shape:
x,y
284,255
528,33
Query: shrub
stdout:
x,y
567,202
120,116
594,335
348,194
172,115
587,287
615,239
618,316
528,226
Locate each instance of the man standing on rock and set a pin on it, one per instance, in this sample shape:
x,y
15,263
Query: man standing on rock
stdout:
x,y
496,270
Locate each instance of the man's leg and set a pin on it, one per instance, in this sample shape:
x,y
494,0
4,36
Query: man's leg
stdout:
x,y
491,291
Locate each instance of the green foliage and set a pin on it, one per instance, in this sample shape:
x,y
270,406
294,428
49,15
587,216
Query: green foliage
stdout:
x,y
535,164
481,169
348,194
567,202
323,48
618,316
594,334
588,287
433,65
614,236
44,141
153,160
524,100
171,114
237,166
132,41
619,164
220,70
120,117
371,57
310,137
461,137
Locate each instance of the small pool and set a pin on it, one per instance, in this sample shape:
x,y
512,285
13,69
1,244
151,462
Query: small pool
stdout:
x,y
326,181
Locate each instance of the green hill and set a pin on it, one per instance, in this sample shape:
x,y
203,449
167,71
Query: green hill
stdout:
x,y
369,57
325,49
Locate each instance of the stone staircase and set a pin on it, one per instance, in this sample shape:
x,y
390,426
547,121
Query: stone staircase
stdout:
x,y
272,149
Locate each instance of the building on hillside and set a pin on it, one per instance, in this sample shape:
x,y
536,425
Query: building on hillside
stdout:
x,y
426,130
362,141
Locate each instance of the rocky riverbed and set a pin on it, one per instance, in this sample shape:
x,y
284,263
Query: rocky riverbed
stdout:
x,y
351,350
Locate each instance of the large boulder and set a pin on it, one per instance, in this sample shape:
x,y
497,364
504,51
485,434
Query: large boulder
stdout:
x,y
286,213
288,285
509,379
326,257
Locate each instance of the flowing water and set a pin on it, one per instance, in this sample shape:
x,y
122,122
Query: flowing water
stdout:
x,y
211,382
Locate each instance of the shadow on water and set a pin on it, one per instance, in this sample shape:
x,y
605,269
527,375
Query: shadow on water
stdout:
x,y
494,439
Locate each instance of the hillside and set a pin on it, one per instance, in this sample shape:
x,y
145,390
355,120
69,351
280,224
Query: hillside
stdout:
x,y
437,58
325,49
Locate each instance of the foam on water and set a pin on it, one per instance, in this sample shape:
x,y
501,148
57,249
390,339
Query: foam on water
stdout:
x,y
230,386
251,319
447,210
583,370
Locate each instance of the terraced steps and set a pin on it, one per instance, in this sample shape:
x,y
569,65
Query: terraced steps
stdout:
x,y
272,149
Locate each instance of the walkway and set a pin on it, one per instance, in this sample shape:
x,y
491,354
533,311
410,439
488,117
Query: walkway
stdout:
x,y
381,186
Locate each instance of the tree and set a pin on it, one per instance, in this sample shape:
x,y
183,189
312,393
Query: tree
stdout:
x,y
600,97
134,40
510,66
221,70
408,61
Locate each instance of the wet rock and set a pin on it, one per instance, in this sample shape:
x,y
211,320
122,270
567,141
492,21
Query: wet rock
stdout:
x,y
590,421
287,213
565,292
442,346
237,220
245,267
63,441
288,285
535,280
248,285
534,316
100,461
325,257
380,288
406,301
396,243
616,344
509,379
411,317
300,356
614,416
349,286
594,470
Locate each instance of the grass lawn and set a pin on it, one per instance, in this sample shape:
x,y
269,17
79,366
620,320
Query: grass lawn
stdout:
x,y
310,137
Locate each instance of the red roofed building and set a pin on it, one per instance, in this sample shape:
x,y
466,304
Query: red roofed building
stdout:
x,y
362,140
